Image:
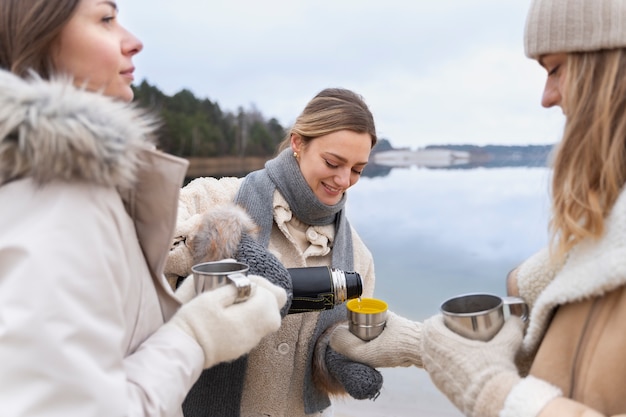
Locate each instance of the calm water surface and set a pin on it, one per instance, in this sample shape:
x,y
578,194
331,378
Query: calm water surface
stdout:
x,y
436,233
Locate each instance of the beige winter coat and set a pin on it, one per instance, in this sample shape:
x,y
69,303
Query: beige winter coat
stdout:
x,y
275,376
87,215
576,337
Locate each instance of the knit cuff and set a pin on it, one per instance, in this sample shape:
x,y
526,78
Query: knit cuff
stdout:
x,y
409,339
529,397
492,396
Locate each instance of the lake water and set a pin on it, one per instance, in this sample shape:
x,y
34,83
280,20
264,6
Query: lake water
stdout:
x,y
436,233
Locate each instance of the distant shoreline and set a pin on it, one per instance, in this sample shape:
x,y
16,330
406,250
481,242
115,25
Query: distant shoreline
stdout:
x,y
222,166
385,157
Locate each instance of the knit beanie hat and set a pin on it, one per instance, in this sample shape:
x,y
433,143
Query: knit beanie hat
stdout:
x,y
561,26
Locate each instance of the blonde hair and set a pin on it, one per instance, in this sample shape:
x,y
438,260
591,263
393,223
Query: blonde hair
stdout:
x,y
331,110
590,163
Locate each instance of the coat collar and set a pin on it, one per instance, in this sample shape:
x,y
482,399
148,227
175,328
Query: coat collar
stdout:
x,y
152,205
593,268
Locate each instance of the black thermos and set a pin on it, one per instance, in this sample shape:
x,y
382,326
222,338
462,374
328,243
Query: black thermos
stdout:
x,y
322,288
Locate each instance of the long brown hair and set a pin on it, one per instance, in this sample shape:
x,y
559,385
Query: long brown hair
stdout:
x,y
28,28
331,110
590,163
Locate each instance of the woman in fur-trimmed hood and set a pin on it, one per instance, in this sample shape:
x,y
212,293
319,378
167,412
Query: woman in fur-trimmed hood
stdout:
x,y
88,324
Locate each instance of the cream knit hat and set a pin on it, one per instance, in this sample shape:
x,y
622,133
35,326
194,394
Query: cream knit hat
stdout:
x,y
555,26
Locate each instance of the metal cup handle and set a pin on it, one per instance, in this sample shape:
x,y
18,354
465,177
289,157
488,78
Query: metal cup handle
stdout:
x,y
243,286
517,306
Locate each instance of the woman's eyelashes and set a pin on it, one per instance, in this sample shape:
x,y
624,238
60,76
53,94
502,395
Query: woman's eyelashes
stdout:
x,y
330,164
334,166
554,70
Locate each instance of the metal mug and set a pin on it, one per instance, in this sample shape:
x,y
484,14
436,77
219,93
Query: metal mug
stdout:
x,y
210,275
366,317
480,316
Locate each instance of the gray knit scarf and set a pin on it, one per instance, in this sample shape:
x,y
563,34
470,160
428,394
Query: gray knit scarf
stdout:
x,y
283,172
256,195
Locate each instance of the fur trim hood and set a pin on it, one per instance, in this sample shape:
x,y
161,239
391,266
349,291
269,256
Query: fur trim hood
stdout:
x,y
51,131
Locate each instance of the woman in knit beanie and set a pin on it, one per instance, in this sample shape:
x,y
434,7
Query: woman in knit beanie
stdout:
x,y
571,361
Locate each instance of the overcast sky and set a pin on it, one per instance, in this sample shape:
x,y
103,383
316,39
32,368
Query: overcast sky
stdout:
x,y
432,71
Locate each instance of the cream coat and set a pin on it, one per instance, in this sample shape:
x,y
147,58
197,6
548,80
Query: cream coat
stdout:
x,y
275,376
575,338
88,209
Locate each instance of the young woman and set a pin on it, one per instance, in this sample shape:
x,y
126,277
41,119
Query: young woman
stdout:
x,y
298,202
572,359
88,324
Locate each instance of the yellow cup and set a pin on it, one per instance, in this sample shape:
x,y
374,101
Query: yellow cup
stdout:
x,y
366,317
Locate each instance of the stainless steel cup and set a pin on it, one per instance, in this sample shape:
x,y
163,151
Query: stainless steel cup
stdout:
x,y
480,316
211,275
366,317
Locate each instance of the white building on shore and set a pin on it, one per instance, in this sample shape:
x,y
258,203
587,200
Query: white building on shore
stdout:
x,y
420,157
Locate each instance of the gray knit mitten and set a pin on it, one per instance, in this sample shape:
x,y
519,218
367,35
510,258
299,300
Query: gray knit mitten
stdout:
x,y
262,262
336,374
359,380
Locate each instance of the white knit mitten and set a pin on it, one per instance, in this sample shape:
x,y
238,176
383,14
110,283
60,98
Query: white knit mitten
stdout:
x,y
186,291
398,345
477,376
227,330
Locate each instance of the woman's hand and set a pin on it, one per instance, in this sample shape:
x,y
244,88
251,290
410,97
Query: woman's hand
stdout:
x,y
227,330
479,376
399,344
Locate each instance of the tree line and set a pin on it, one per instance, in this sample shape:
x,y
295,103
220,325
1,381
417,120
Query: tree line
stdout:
x,y
194,127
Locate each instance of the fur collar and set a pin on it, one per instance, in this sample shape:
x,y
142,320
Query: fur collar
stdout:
x,y
51,131
593,268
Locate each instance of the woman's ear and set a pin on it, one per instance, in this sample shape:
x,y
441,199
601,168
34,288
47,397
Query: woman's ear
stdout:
x,y
296,143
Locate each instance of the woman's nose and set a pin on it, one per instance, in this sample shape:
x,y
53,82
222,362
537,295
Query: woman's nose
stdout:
x,y
343,178
132,45
551,94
